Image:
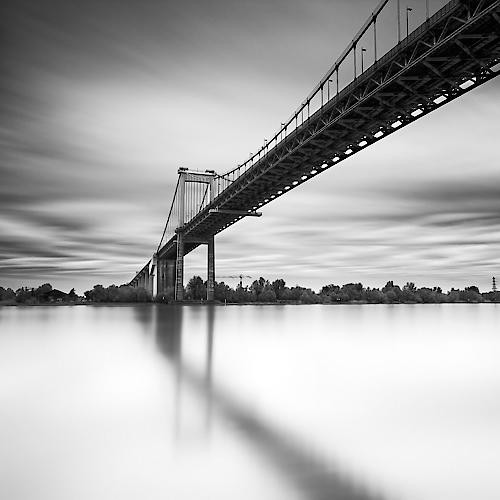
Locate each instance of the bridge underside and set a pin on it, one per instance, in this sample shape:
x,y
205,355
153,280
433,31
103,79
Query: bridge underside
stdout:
x,y
453,52
444,58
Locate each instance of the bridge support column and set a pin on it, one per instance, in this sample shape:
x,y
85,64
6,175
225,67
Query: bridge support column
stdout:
x,y
160,276
165,277
179,268
153,276
170,277
211,269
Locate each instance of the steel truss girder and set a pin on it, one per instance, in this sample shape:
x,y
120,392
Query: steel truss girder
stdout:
x,y
425,68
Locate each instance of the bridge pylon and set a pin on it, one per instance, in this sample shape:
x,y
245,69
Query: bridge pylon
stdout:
x,y
191,186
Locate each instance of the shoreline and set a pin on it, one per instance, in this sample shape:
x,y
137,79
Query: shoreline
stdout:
x,y
218,303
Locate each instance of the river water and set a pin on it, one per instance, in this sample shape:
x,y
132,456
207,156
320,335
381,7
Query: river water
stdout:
x,y
250,402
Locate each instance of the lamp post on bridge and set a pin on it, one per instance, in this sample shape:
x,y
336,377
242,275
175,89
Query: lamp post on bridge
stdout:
x,y
363,50
408,10
398,7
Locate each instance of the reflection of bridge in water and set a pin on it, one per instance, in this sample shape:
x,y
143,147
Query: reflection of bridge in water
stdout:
x,y
315,478
361,100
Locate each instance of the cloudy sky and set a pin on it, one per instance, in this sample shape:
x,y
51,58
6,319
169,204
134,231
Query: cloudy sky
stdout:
x,y
102,101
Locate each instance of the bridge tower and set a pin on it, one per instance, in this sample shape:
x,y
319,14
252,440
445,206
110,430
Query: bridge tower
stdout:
x,y
188,183
194,190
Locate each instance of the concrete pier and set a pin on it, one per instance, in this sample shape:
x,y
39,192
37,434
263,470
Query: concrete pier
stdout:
x,y
165,278
161,276
170,277
179,268
211,269
153,276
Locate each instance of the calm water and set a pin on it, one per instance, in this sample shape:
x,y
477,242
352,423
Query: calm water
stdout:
x,y
250,402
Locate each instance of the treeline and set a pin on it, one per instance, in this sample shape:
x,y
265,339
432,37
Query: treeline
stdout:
x,y
44,294
113,293
263,290
260,290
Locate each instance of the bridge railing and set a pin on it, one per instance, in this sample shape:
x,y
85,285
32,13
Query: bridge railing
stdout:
x,y
388,25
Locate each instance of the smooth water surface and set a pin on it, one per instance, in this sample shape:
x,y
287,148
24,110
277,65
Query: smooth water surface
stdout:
x,y
250,402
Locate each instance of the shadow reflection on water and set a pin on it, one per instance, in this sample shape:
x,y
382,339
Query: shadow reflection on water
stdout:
x,y
315,478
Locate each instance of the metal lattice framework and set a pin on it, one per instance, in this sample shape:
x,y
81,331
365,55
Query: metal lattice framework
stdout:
x,y
450,53
193,192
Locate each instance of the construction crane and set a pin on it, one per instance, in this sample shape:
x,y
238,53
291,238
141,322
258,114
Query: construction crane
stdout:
x,y
240,276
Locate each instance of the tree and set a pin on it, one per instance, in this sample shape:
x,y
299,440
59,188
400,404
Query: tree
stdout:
x,y
392,292
471,294
329,290
127,293
453,295
142,295
354,291
267,295
196,289
427,295
42,292
391,296
287,294
113,294
7,294
309,297
278,287
97,294
408,293
297,292
223,292
257,286
375,296
243,295
25,295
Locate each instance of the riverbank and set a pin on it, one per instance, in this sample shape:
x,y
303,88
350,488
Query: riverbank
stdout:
x,y
218,303
261,291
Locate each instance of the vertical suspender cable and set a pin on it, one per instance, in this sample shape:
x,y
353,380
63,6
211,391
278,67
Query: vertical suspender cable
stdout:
x,y
169,213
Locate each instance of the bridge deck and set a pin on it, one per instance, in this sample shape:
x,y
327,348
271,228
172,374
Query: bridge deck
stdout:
x,y
448,55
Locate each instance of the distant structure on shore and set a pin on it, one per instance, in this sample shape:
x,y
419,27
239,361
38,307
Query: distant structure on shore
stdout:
x,y
494,286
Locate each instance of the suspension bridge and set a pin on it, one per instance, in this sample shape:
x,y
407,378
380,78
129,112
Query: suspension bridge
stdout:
x,y
361,99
